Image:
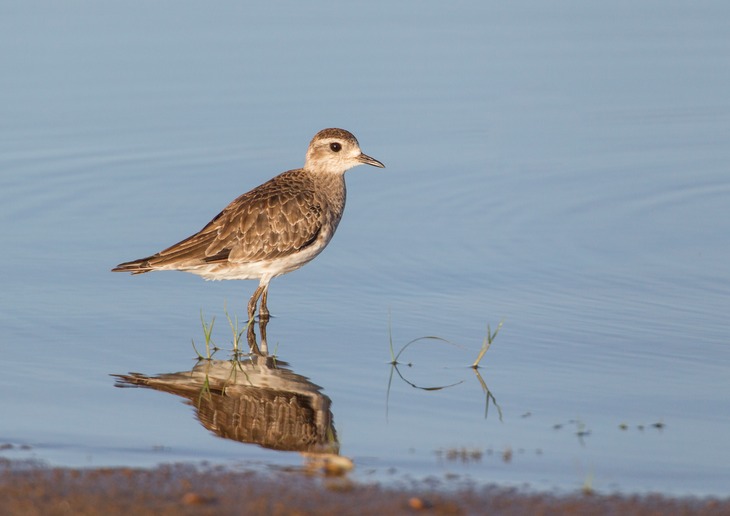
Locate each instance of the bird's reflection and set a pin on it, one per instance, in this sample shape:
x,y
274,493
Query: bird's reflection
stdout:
x,y
254,398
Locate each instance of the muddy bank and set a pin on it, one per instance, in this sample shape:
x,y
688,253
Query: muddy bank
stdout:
x,y
32,490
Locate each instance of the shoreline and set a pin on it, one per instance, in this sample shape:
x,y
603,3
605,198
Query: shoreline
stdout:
x,y
27,489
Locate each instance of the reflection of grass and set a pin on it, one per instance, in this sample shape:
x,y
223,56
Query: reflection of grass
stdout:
x,y
204,392
218,386
487,342
394,367
395,362
489,396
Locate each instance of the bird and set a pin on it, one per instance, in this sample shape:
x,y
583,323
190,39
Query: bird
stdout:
x,y
276,228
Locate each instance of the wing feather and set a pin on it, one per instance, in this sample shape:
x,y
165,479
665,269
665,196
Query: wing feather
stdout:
x,y
273,220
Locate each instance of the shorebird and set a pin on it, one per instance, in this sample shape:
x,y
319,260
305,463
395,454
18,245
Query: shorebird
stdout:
x,y
275,228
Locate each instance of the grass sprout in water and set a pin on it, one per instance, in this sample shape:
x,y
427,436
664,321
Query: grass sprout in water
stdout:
x,y
395,362
487,343
236,330
207,332
237,333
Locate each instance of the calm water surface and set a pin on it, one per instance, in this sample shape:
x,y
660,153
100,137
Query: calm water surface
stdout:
x,y
563,169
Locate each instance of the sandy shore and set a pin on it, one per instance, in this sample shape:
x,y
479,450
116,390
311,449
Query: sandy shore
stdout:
x,y
180,489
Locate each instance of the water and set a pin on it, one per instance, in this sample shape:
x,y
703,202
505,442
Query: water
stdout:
x,y
561,168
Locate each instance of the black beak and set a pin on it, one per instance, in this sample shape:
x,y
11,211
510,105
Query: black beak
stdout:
x,y
367,160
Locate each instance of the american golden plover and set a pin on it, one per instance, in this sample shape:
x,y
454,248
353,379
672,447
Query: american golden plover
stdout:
x,y
273,229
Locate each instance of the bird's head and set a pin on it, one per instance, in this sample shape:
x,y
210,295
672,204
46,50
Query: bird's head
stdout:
x,y
335,151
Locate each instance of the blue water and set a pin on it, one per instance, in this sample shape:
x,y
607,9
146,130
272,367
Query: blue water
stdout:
x,y
562,168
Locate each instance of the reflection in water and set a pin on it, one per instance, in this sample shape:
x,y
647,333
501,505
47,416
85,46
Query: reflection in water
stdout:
x,y
489,397
252,399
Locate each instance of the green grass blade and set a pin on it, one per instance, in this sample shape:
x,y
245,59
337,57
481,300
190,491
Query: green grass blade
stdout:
x,y
487,343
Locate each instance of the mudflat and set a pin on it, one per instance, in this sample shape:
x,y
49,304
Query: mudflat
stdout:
x,y
31,489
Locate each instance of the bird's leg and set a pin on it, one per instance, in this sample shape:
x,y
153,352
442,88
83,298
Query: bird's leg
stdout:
x,y
255,299
264,346
253,344
264,310
251,337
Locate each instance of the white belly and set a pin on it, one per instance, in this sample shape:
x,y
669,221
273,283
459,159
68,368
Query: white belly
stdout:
x,y
265,269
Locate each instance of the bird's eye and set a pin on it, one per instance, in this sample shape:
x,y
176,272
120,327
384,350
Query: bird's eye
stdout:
x,y
336,147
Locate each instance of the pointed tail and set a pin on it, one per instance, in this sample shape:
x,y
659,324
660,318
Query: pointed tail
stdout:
x,y
135,267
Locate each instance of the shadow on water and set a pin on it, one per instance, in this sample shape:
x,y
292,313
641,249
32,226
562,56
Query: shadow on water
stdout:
x,y
258,399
